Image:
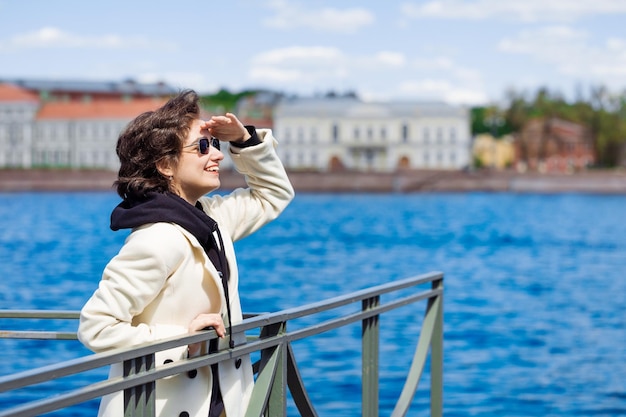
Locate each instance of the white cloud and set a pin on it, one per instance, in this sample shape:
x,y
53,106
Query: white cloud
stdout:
x,y
442,89
572,53
435,63
273,75
318,68
301,66
52,37
546,41
318,63
528,10
392,59
298,54
463,84
290,15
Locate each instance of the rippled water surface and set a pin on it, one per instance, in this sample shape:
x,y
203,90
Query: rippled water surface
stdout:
x,y
535,291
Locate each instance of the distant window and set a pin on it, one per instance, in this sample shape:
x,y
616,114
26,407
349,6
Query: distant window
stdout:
x,y
355,134
405,133
335,133
426,135
383,134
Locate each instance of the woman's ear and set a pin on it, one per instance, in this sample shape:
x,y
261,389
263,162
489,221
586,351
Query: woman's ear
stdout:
x,y
164,167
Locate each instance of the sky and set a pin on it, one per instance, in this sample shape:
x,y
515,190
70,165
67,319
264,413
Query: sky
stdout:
x,y
467,52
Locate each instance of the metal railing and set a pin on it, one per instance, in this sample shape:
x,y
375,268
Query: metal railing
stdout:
x,y
276,370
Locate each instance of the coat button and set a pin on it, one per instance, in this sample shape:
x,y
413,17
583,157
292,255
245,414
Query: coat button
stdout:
x,y
184,414
192,374
238,363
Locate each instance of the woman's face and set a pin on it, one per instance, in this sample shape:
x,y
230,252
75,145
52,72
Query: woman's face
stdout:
x,y
196,174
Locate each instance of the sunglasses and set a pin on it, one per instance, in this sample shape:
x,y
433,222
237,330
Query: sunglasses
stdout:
x,y
203,144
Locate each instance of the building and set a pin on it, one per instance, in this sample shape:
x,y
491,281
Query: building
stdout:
x,y
490,152
336,133
18,110
64,133
554,145
258,109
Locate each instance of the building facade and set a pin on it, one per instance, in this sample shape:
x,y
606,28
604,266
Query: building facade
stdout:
x,y
18,110
54,128
64,133
337,133
489,152
554,145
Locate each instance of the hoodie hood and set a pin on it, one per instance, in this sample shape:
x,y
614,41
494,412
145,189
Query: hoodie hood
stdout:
x,y
163,207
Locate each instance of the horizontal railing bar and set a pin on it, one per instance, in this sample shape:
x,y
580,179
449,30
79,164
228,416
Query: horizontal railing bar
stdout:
x,y
116,384
37,335
57,402
98,360
332,303
358,316
39,314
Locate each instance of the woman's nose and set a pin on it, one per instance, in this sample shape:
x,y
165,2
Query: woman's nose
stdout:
x,y
216,154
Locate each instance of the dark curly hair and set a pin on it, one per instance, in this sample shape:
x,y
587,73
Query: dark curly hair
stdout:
x,y
152,137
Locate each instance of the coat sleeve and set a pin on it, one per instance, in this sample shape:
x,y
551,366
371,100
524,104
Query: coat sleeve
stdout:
x,y
130,281
269,191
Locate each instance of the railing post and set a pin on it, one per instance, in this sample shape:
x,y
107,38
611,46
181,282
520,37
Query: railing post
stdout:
x,y
277,401
139,401
436,356
370,344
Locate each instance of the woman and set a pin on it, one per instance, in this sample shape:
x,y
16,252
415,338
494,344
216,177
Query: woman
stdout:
x,y
177,272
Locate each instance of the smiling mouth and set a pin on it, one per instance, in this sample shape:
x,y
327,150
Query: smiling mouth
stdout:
x,y
213,169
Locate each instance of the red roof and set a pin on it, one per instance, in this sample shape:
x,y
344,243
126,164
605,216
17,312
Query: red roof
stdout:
x,y
99,109
11,92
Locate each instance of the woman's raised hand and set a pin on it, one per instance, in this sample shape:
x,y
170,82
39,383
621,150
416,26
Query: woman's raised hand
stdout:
x,y
227,128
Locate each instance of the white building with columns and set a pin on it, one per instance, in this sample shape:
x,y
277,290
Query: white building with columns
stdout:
x,y
333,133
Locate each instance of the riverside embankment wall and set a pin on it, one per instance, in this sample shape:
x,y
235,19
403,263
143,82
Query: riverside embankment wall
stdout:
x,y
613,182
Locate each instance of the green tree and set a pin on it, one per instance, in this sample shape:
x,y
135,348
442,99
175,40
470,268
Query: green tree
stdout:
x,y
223,101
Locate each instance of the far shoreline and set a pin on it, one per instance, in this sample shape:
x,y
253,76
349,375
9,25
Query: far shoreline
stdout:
x,y
413,181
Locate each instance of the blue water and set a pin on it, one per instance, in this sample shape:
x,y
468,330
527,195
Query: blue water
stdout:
x,y
535,291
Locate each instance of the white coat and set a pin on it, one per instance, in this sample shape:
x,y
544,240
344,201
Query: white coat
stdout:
x,y
162,279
